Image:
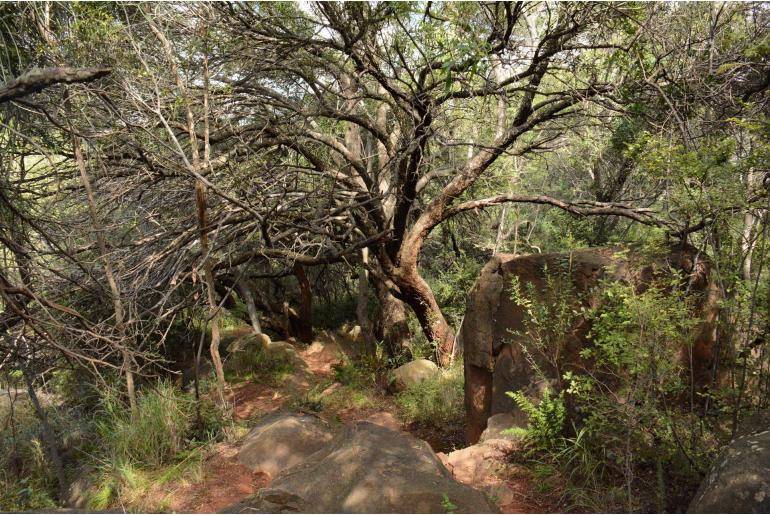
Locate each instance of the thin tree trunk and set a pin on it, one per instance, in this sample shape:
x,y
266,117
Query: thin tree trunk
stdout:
x,y
208,276
48,435
362,304
251,307
117,303
305,305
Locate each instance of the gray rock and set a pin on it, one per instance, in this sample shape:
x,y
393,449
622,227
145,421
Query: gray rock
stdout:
x,y
282,440
249,342
412,373
367,469
739,480
498,425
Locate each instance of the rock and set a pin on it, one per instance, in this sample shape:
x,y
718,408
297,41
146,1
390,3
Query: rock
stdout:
x,y
498,424
249,342
330,390
367,469
739,480
355,334
482,466
412,373
282,440
79,490
282,348
324,354
476,465
493,332
384,419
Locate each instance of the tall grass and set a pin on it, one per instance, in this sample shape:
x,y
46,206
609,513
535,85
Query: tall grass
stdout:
x,y
437,401
155,435
155,445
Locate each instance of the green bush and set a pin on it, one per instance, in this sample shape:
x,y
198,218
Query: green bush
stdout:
x,y
437,401
633,435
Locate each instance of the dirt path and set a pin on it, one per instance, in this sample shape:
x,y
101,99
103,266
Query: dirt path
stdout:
x,y
225,481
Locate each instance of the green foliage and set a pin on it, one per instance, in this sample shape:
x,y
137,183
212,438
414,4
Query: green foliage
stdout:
x,y
550,314
451,285
629,425
27,481
545,421
437,401
449,506
258,365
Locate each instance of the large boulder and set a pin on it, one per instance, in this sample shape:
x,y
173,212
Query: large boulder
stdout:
x,y
739,480
412,373
367,469
282,440
497,352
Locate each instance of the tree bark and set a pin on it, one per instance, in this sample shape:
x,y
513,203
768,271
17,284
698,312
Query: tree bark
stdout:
x,y
396,335
38,79
208,276
305,305
362,304
251,307
416,292
117,302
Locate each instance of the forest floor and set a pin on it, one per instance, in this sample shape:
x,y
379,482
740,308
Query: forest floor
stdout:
x,y
223,480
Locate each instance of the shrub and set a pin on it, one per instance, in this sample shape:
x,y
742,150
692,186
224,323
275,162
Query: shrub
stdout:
x,y
632,433
437,401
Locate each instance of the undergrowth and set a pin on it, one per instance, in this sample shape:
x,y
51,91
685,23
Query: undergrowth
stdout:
x,y
436,401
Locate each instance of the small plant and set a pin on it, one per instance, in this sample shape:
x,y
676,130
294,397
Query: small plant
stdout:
x,y
449,506
348,373
546,420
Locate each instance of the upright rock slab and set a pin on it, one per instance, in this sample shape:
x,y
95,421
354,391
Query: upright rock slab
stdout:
x,y
497,352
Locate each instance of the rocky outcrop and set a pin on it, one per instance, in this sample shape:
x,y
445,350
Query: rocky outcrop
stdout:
x,y
412,373
367,469
496,352
739,480
282,440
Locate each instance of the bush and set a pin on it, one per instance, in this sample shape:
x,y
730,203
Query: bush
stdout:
x,y
437,401
632,432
